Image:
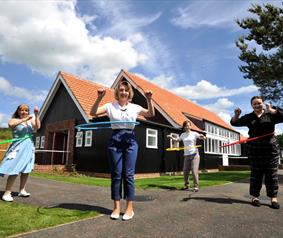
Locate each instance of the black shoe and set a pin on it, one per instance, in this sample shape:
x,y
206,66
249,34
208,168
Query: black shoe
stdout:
x,y
185,188
275,205
256,203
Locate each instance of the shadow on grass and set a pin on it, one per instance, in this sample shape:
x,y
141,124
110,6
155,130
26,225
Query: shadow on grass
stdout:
x,y
77,206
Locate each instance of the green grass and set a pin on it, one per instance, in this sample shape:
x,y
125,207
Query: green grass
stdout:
x,y
17,218
5,133
163,182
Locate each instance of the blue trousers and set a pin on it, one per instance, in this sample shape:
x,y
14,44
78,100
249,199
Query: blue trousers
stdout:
x,y
122,153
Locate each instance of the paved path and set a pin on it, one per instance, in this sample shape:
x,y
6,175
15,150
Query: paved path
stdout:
x,y
220,211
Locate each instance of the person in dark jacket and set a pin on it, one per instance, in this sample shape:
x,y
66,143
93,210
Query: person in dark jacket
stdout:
x,y
264,152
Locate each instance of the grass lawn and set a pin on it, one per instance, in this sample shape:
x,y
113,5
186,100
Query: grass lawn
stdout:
x,y
17,218
163,182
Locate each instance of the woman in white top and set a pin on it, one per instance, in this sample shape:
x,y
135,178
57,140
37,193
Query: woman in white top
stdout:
x,y
122,146
191,154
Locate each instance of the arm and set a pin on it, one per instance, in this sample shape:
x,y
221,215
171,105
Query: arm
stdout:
x,y
17,121
202,137
276,112
95,109
35,121
150,111
173,138
235,118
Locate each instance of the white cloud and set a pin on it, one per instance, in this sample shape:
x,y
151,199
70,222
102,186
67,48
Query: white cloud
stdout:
x,y
221,108
4,120
51,36
206,90
215,13
278,129
30,95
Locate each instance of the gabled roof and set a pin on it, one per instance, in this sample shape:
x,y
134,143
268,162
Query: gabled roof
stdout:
x,y
174,107
83,93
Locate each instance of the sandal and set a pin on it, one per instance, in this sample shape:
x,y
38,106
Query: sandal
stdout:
x,y
275,205
255,202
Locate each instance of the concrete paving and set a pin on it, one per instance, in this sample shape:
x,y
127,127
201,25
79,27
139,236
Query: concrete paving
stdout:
x,y
219,211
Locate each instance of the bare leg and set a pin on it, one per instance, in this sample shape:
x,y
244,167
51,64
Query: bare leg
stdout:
x,y
274,199
116,210
10,181
23,181
129,208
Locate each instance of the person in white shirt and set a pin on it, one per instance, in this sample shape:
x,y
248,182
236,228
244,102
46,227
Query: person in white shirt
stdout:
x,y
122,146
191,154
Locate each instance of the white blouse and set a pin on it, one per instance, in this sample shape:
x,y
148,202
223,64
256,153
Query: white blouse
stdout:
x,y
129,112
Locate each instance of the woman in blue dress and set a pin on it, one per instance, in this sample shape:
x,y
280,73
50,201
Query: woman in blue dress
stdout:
x,y
19,158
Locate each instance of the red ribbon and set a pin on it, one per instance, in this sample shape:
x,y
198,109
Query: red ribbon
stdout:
x,y
246,140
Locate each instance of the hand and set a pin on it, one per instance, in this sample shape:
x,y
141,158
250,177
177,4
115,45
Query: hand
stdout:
x,y
270,109
29,117
148,94
36,110
168,136
237,112
101,93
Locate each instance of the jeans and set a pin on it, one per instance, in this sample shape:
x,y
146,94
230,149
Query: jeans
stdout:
x,y
122,153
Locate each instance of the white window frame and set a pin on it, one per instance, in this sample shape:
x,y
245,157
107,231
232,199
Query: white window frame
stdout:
x,y
79,139
154,136
37,142
42,142
88,138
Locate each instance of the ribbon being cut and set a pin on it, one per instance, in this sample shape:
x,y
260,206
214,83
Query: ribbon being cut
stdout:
x,y
246,140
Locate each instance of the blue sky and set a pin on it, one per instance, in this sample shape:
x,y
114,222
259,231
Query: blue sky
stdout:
x,y
187,47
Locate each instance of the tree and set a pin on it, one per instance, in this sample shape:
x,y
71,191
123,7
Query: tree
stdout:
x,y
280,140
262,50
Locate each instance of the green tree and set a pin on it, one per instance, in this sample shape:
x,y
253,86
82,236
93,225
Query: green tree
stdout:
x,y
262,50
280,140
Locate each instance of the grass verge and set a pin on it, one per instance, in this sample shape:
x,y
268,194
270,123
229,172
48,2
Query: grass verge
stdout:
x,y
162,182
18,218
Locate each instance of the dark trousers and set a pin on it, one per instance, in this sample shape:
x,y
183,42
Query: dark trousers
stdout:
x,y
264,156
122,153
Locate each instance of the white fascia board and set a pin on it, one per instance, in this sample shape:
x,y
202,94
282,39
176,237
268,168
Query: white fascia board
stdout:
x,y
52,94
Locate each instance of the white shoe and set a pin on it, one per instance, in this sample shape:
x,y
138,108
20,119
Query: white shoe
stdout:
x,y
23,193
114,216
7,198
127,217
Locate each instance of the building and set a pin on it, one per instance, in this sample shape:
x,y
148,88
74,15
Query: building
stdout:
x,y
68,104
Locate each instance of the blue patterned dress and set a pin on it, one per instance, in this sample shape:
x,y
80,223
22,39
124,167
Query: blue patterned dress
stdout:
x,y
19,157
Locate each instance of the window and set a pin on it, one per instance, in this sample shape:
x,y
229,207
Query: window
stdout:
x,y
88,138
42,142
79,139
151,138
174,144
37,141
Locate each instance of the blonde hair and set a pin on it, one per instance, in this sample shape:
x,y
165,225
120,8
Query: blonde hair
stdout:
x,y
128,87
21,106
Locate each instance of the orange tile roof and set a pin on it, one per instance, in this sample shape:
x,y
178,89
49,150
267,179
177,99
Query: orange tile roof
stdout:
x,y
85,91
175,106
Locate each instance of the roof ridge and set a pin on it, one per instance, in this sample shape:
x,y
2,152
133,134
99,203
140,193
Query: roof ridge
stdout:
x,y
84,80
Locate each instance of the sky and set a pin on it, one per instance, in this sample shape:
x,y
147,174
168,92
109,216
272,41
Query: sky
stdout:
x,y
187,47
